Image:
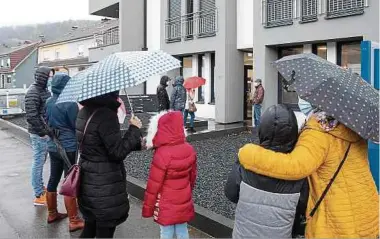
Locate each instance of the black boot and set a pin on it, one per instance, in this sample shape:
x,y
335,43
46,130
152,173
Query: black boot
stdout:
x,y
192,130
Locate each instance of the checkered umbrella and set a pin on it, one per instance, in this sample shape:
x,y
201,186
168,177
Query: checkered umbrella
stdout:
x,y
117,71
339,92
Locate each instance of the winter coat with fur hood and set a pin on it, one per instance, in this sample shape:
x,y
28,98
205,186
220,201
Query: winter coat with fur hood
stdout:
x,y
168,195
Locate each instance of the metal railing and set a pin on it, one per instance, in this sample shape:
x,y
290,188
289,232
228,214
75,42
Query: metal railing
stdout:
x,y
343,8
284,12
198,24
173,31
107,37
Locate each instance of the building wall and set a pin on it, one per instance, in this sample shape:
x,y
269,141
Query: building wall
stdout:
x,y
244,24
24,76
132,31
96,5
67,50
267,40
98,53
153,41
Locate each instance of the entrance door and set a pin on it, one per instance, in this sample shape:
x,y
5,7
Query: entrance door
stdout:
x,y
248,73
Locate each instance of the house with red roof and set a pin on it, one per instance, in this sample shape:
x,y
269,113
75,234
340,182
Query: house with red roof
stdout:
x,y
17,65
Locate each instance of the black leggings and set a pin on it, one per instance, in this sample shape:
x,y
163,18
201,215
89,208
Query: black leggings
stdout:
x,y
57,167
91,230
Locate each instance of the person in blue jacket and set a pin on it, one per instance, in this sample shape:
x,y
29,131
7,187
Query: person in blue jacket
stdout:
x,y
61,119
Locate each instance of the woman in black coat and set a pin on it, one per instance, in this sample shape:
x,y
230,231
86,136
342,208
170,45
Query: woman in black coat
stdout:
x,y
162,94
103,199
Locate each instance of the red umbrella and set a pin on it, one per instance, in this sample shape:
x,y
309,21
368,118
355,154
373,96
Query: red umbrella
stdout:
x,y
194,82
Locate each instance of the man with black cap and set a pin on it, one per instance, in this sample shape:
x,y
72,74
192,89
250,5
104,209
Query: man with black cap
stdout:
x,y
257,100
35,100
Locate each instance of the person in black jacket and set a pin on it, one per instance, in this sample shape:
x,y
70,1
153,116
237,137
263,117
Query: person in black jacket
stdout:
x,y
35,100
162,94
269,207
103,198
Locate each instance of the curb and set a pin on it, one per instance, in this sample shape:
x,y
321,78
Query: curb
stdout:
x,y
17,131
205,220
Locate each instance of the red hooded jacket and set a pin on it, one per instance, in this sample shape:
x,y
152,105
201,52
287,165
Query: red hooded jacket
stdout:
x,y
168,195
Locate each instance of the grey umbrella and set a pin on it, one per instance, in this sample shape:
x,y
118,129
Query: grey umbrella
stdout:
x,y
337,91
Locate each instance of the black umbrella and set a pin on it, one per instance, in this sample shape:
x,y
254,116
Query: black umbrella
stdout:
x,y
339,92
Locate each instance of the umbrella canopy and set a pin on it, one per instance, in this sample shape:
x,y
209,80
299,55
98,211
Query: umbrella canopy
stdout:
x,y
339,92
194,82
117,71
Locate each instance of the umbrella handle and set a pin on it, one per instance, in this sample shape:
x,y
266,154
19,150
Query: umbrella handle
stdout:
x,y
129,102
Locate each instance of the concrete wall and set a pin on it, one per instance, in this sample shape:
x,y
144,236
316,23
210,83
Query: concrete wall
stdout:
x,y
153,41
25,71
266,40
99,53
244,24
67,50
132,31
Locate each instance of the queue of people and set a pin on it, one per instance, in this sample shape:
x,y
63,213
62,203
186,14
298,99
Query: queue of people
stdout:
x,y
314,183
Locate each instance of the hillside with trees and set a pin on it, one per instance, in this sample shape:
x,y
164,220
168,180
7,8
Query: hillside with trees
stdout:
x,y
16,35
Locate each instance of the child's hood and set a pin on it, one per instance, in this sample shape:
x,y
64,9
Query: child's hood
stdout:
x,y
166,128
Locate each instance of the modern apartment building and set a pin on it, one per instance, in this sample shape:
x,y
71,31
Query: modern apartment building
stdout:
x,y
230,42
212,38
332,29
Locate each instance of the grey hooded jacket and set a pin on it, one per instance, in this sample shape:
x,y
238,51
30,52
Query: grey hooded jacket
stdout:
x,y
178,98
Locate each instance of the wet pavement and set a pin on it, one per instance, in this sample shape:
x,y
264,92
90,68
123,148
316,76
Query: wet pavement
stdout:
x,y
20,219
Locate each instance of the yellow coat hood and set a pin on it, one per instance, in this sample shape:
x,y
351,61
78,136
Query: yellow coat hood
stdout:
x,y
351,207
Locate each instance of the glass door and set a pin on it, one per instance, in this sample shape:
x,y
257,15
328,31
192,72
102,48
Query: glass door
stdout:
x,y
248,74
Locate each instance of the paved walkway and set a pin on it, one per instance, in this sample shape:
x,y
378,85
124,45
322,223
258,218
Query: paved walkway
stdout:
x,y
20,219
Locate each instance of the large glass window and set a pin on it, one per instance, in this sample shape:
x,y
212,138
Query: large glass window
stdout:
x,y
212,78
287,96
320,50
349,56
201,90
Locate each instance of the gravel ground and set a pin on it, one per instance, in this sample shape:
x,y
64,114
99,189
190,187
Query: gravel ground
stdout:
x,y
215,158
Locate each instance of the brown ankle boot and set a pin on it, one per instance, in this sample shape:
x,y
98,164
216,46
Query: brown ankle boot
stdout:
x,y
53,214
75,222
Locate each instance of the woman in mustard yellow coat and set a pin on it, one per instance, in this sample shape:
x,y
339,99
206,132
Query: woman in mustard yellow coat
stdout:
x,y
351,206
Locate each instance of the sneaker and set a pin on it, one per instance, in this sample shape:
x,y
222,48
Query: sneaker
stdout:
x,y
41,200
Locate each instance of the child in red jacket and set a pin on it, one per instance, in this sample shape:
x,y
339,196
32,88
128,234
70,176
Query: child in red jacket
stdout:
x,y
168,195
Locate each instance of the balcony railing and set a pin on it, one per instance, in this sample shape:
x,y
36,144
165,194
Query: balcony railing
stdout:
x,y
107,37
343,8
283,12
199,24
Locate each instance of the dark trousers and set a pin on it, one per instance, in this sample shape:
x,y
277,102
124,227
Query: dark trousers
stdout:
x,y
57,167
92,230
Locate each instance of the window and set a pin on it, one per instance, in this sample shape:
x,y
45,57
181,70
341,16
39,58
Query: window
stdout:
x,y
9,62
201,90
2,82
2,63
320,50
45,55
9,79
349,56
343,8
277,13
212,78
207,25
309,11
57,54
173,23
287,96
189,19
81,50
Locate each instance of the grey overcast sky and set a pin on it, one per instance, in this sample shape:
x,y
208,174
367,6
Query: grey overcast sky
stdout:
x,y
20,12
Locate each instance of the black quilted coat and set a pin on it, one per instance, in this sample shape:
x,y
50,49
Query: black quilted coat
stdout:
x,y
162,95
103,196
35,100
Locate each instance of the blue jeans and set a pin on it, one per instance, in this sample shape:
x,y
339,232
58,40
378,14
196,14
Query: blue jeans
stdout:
x,y
180,230
192,117
39,146
256,115
57,167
